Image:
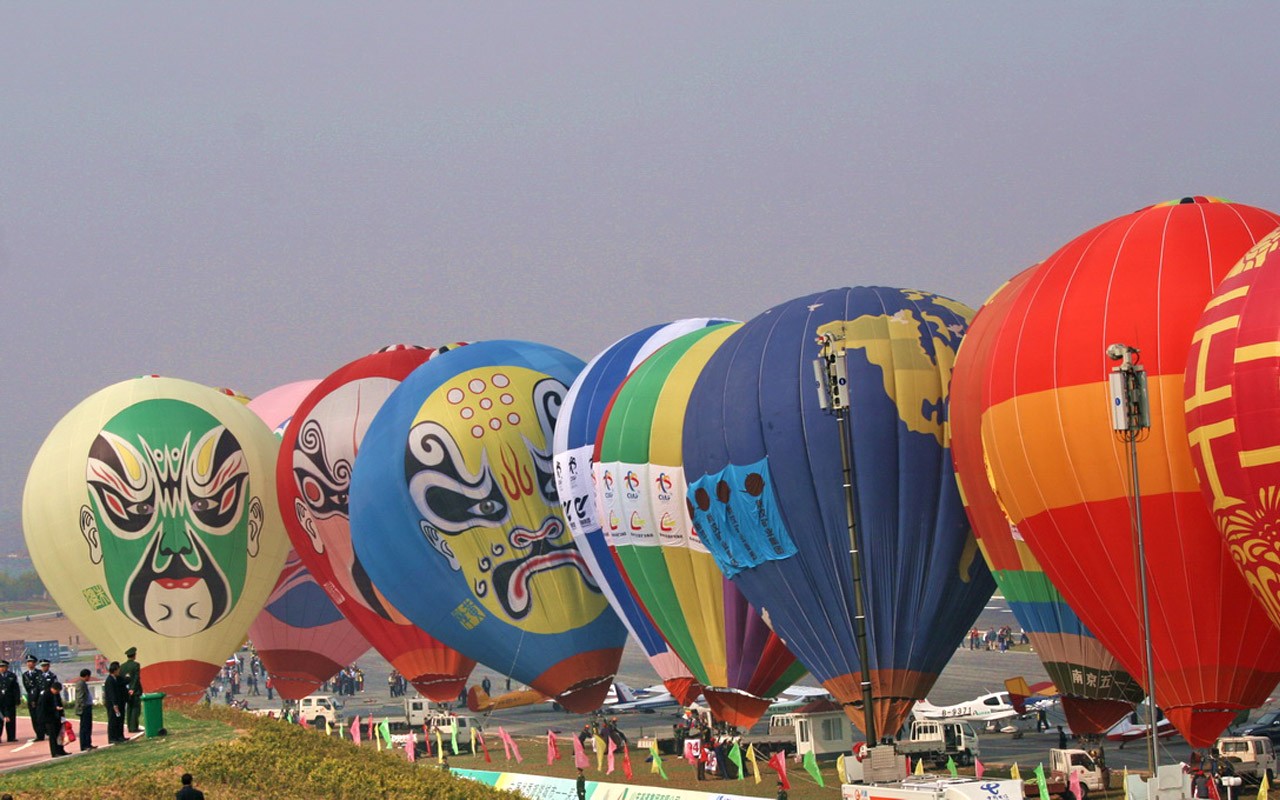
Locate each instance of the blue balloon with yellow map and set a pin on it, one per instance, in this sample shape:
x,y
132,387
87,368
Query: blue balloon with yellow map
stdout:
x,y
456,518
762,457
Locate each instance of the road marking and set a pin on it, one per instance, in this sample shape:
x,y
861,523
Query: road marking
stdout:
x,y
20,748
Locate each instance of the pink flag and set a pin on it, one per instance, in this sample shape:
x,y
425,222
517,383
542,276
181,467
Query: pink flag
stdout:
x,y
506,742
1073,783
778,763
553,749
515,749
978,769
480,736
355,730
612,746
409,748
580,754
370,726
303,721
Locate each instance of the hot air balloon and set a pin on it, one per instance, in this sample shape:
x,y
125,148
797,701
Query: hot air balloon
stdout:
x,y
575,441
1095,690
1062,477
1232,396
301,637
151,517
640,481
766,488
455,516
313,476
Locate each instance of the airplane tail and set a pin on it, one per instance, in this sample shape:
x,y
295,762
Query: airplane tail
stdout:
x,y
478,699
625,693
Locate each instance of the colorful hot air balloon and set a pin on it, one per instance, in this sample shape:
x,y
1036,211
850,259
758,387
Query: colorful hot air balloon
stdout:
x,y
1232,397
1096,691
314,477
640,481
767,492
575,441
151,517
455,516
1062,475
301,637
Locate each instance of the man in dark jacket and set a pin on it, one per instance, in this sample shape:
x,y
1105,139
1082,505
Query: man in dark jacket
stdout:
x,y
131,677
33,687
10,696
188,792
113,697
84,710
49,717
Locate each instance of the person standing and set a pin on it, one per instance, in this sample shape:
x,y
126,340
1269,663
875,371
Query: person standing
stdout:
x,y
84,710
113,697
782,793
10,696
49,714
32,686
131,677
188,792
582,785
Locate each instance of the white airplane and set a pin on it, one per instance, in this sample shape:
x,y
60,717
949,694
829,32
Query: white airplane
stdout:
x,y
622,697
1129,729
986,708
794,697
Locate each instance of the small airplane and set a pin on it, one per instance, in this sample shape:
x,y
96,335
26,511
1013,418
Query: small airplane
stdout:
x,y
622,697
1129,729
479,702
985,708
794,697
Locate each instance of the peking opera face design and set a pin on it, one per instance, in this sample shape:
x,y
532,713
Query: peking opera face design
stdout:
x,y
170,515
480,473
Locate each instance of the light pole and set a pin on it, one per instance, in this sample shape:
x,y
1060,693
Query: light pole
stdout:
x,y
833,396
1131,420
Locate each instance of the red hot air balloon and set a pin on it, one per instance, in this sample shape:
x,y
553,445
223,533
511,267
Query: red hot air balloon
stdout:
x,y
1062,475
313,476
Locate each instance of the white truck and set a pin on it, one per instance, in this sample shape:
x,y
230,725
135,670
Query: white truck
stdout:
x,y
934,788
1248,756
1094,777
318,709
935,741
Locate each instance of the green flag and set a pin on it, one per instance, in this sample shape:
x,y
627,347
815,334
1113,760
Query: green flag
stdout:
x,y
657,760
384,730
1040,781
811,767
735,755
951,766
453,737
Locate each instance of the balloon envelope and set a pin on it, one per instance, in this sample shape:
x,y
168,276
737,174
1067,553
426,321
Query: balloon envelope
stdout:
x,y
640,481
313,476
1232,400
301,637
767,497
456,517
575,441
151,516
1062,475
1095,690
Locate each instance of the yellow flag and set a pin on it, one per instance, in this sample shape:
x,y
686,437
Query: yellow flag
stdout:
x,y
751,756
328,727
473,741
1125,778
1015,773
840,767
439,747
1264,788
919,770
599,745
378,739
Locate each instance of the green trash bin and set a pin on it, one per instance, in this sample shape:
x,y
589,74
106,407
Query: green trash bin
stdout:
x,y
153,714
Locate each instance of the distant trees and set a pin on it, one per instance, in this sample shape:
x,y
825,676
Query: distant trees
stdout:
x,y
22,586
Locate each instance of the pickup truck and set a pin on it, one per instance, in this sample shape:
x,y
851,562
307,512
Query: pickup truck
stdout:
x,y
935,741
1094,777
318,709
1247,756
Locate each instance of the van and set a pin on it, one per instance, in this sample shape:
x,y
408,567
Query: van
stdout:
x,y
1248,755
318,709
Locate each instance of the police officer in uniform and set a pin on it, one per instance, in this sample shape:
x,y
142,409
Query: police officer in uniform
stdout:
x,y
131,678
10,696
33,687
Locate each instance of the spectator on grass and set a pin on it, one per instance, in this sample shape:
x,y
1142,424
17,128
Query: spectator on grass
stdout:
x,y
188,792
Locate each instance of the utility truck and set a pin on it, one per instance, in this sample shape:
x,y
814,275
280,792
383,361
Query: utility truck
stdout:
x,y
935,741
1094,777
1247,756
928,787
318,709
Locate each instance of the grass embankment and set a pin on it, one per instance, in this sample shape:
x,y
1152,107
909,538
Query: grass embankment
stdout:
x,y
233,754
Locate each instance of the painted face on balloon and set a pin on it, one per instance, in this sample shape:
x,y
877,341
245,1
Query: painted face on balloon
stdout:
x,y
170,517
479,469
323,456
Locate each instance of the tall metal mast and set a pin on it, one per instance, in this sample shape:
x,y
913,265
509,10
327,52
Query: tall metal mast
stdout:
x,y
833,384
1131,420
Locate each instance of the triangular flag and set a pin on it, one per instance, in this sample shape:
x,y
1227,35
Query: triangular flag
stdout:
x,y
1015,773
1073,784
551,748
302,721
657,761
370,726
598,744
580,759
439,747
506,743
755,765
919,767
355,730
951,766
612,747
840,767
735,755
473,741
1214,794
328,727
1040,781
978,769
483,748
778,763
811,767
1264,788
384,730
426,739
626,762
1124,781
453,737
410,747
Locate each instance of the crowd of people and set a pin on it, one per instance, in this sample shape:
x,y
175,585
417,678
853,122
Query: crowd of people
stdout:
x,y
997,639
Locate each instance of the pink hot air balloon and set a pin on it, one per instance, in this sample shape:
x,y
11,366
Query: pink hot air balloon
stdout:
x,y
301,636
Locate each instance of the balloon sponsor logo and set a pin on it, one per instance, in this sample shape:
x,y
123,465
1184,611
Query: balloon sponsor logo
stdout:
x,y
170,515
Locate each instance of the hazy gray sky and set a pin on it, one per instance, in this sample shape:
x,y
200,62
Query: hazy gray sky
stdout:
x,y
248,194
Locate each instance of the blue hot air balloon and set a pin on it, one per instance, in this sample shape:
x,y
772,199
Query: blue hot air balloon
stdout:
x,y
763,461
455,515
